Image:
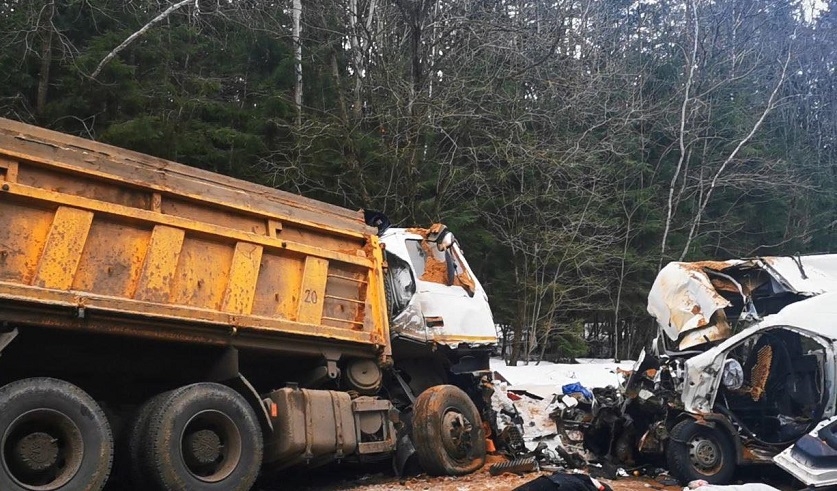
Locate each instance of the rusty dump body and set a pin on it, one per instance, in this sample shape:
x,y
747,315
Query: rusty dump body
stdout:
x,y
99,239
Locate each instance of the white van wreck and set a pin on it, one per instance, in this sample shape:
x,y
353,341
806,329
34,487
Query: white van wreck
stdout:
x,y
744,366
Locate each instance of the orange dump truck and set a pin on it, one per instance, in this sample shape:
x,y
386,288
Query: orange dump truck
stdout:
x,y
188,329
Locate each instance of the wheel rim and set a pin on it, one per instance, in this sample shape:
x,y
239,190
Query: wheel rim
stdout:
x,y
456,433
705,454
42,449
210,446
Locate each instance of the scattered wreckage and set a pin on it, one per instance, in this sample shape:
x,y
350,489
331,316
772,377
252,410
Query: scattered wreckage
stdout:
x,y
708,400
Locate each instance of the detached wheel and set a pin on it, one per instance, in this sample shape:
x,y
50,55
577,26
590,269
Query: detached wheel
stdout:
x,y
447,432
54,436
202,437
696,451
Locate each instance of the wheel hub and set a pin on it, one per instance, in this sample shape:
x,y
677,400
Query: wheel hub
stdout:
x,y
210,446
456,432
42,450
704,453
203,446
36,451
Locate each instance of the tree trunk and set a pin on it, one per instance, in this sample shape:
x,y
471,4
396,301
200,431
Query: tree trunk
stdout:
x,y
297,32
46,63
43,76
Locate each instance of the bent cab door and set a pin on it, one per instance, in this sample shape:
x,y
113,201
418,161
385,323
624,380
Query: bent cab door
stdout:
x,y
452,301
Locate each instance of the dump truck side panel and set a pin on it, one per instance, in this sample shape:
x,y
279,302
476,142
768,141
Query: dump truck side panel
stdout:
x,y
96,237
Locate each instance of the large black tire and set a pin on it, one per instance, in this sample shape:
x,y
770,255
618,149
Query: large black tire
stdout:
x,y
447,432
696,451
54,436
131,451
202,437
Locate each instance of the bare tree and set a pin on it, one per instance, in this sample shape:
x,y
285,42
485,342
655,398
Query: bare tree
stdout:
x,y
130,39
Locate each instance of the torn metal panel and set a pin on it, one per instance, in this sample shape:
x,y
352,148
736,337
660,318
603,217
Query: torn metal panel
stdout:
x,y
763,387
410,324
695,303
703,375
683,299
812,319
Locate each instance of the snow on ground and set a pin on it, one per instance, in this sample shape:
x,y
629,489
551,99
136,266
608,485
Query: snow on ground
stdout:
x,y
546,380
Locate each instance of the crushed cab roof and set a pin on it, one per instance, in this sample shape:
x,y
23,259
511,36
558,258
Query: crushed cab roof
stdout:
x,y
693,301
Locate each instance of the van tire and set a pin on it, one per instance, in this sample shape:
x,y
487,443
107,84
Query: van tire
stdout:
x,y
697,451
447,432
203,437
53,435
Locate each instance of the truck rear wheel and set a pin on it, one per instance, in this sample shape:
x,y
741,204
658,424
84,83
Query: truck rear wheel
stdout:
x,y
135,440
447,432
203,436
54,436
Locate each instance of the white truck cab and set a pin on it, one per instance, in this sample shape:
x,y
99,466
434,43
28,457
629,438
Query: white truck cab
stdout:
x,y
432,294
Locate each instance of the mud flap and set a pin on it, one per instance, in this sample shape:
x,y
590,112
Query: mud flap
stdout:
x,y
404,449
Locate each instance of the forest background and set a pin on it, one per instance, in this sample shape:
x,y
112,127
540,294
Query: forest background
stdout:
x,y
574,146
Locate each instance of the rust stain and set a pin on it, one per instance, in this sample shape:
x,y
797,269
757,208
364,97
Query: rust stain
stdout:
x,y
748,455
466,282
418,231
722,284
712,265
435,228
435,271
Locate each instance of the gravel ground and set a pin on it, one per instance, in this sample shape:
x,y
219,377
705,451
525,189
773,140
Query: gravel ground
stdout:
x,y
380,479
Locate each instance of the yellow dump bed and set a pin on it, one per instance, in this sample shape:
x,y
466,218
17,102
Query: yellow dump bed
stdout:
x,y
94,237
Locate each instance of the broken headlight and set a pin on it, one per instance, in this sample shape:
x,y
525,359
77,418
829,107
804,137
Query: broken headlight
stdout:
x,y
733,375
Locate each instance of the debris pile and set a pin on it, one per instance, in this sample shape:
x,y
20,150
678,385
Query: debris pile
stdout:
x,y
543,427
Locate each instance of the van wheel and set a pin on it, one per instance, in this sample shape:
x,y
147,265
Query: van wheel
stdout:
x,y
447,432
54,436
202,437
697,451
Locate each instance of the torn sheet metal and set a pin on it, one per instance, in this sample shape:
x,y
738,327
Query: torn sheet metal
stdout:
x,y
683,300
765,386
695,303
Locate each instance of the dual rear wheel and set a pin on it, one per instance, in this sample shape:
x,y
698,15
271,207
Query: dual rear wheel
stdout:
x,y
199,437
54,436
